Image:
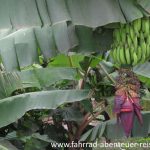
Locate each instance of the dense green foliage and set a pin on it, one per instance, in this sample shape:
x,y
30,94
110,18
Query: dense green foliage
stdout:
x,y
56,74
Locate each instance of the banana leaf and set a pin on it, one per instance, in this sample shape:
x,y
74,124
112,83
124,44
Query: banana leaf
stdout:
x,y
143,70
60,26
94,133
7,145
28,13
130,10
87,43
58,11
13,108
39,78
23,13
43,12
5,22
93,13
26,48
145,4
60,32
8,54
46,42
22,46
142,131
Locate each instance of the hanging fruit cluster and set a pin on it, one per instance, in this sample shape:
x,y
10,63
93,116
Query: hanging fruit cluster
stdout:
x,y
127,99
131,44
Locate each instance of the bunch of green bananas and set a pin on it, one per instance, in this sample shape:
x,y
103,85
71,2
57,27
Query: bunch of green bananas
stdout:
x,y
131,44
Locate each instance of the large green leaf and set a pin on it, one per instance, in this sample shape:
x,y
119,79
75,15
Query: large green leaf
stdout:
x,y
60,32
58,11
4,15
40,78
12,108
35,144
7,50
144,4
54,22
23,13
93,13
60,60
72,36
104,39
111,130
26,47
67,61
48,76
94,133
22,49
9,83
46,41
43,12
87,43
146,97
130,10
7,145
143,73
145,80
143,70
142,130
28,13
114,130
4,33
72,114
3,148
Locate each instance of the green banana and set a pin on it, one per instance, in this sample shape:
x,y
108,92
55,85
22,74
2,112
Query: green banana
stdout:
x,y
148,40
141,37
147,51
143,46
132,42
131,52
137,25
127,55
123,35
145,27
122,56
135,42
143,59
115,55
132,35
129,41
117,35
139,53
135,59
143,24
127,28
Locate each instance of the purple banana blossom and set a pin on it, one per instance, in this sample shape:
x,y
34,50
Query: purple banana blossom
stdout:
x,y
126,108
